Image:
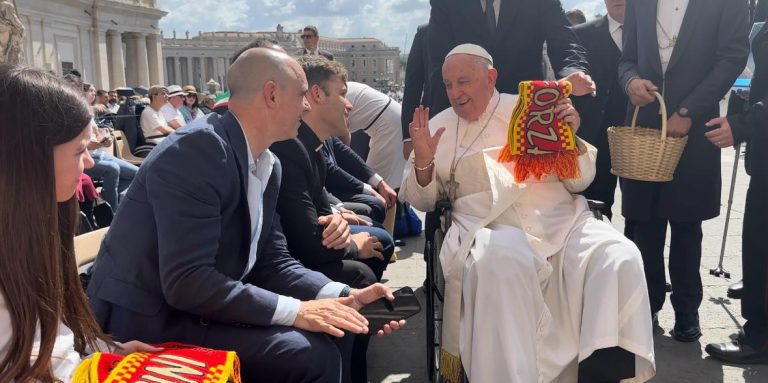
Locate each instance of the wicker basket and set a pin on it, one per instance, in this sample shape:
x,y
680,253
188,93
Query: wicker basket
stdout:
x,y
645,154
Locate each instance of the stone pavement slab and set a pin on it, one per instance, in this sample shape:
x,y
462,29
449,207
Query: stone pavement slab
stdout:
x,y
402,357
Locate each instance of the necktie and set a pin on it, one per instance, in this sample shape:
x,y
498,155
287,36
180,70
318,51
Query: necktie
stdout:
x,y
490,17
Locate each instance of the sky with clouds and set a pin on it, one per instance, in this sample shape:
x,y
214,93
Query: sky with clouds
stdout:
x,y
393,21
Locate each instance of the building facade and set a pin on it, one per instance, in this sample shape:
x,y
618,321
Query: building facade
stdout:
x,y
206,56
112,43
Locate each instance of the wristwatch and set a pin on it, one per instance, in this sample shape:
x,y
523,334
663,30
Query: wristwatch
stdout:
x,y
345,292
683,112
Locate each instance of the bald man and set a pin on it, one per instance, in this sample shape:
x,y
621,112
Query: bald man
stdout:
x,y
534,284
197,256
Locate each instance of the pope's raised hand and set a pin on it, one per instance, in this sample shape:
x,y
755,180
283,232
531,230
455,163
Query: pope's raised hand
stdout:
x,y
424,143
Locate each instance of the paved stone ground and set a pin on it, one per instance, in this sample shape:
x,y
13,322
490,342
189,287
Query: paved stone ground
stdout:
x,y
402,357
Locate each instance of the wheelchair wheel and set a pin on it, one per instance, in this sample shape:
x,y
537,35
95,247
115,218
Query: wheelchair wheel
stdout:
x,y
435,290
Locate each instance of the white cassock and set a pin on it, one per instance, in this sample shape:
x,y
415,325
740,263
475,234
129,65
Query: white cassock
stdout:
x,y
534,283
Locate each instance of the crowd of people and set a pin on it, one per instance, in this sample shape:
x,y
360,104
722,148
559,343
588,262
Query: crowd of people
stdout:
x,y
252,225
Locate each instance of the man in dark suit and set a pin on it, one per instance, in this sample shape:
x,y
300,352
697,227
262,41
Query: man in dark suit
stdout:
x,y
602,40
310,38
691,52
196,255
513,32
303,204
350,179
749,127
416,88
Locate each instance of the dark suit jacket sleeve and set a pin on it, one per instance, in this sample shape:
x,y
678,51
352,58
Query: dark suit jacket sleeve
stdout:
x,y
298,211
441,41
187,208
563,47
732,53
277,271
750,125
414,80
351,162
338,181
628,62
587,106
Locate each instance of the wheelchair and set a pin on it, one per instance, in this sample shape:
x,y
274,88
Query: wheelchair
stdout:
x,y
434,287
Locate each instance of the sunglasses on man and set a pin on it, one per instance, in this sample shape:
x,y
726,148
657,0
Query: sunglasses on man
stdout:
x,y
307,37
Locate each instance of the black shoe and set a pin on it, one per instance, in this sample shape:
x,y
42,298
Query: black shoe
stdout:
x,y
736,353
736,290
686,327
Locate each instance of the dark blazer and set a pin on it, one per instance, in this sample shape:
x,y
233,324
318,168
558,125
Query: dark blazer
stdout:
x,y
608,107
750,126
347,172
416,90
303,199
516,47
321,52
604,110
179,244
711,51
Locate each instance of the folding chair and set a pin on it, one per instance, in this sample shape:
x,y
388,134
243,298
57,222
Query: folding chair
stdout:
x,y
123,151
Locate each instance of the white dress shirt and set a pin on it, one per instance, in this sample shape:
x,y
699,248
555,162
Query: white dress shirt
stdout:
x,y
496,6
669,19
615,28
259,171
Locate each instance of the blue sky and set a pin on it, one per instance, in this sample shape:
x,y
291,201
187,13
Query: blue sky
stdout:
x,y
393,21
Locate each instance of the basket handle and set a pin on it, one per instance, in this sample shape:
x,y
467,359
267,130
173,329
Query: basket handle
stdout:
x,y
663,116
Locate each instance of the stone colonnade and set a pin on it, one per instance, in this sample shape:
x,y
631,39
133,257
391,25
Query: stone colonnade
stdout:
x,y
140,63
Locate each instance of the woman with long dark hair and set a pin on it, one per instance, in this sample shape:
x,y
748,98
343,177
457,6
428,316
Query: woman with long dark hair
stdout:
x,y
46,323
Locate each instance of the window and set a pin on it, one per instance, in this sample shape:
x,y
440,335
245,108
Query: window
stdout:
x,y
364,62
374,63
353,64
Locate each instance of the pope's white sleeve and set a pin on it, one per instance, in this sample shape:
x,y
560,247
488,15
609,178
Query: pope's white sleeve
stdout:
x,y
587,160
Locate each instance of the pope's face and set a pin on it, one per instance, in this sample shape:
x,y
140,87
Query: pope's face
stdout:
x,y
469,82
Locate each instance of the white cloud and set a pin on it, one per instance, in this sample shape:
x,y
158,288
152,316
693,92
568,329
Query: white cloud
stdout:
x,y
202,15
589,7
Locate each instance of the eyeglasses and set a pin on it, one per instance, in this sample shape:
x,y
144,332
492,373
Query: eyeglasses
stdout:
x,y
307,37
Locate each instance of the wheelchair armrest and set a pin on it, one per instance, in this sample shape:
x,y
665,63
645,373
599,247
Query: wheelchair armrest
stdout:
x,y
596,207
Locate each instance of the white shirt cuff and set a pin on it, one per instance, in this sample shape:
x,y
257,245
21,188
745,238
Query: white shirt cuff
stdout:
x,y
330,290
375,180
286,311
368,189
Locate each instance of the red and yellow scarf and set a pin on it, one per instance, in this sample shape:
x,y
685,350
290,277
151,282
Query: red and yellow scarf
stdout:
x,y
176,363
538,142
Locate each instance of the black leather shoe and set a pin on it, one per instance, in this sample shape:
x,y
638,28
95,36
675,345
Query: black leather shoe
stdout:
x,y
736,353
736,290
686,327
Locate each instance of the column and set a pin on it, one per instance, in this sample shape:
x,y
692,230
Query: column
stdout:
x,y
101,61
176,72
137,72
131,60
116,63
155,59
203,73
190,73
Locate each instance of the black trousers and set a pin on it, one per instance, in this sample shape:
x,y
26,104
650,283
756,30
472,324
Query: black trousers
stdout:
x,y
603,187
754,259
356,274
684,261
